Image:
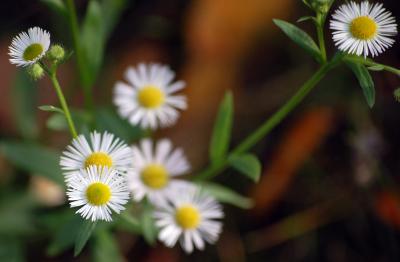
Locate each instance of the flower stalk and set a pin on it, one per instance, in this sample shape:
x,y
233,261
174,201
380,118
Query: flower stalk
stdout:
x,y
51,72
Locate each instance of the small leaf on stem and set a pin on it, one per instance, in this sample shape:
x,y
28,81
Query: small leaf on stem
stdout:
x,y
226,195
300,37
85,231
50,108
247,164
222,130
365,80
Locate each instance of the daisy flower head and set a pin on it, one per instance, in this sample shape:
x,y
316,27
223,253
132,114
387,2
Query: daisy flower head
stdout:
x,y
154,167
190,216
148,98
29,47
102,150
98,191
363,29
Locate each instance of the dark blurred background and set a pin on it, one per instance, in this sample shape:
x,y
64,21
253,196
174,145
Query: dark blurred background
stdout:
x,y
329,189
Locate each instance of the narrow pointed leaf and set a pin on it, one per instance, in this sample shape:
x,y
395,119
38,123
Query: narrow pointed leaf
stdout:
x,y
105,247
222,130
305,18
247,164
299,37
85,231
226,195
365,80
57,6
50,108
376,68
36,159
149,229
65,236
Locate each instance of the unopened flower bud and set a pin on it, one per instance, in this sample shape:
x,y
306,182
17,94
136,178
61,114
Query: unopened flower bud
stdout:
x,y
56,53
36,71
319,6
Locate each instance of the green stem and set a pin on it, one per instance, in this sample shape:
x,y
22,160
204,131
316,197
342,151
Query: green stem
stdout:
x,y
83,72
271,122
368,62
320,33
63,103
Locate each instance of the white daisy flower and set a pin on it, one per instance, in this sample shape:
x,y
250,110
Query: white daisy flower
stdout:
x,y
152,171
148,98
28,48
190,216
363,28
98,191
103,150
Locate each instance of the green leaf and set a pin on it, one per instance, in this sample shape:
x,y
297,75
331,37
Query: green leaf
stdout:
x,y
100,19
56,5
108,120
149,229
50,108
92,39
305,18
111,10
300,37
226,195
85,231
33,158
65,235
59,123
105,247
246,164
129,223
365,80
24,105
376,68
222,130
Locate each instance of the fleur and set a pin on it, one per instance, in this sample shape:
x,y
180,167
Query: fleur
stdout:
x,y
103,150
154,168
363,29
98,191
189,216
148,98
29,47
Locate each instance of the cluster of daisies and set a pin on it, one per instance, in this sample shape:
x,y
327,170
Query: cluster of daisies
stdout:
x,y
103,173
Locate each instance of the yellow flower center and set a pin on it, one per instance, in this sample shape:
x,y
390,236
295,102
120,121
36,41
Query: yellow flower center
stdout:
x,y
187,216
98,159
151,96
98,194
363,28
32,52
155,176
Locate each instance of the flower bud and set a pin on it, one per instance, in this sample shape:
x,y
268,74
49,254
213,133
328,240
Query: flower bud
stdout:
x,y
36,71
319,6
56,53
